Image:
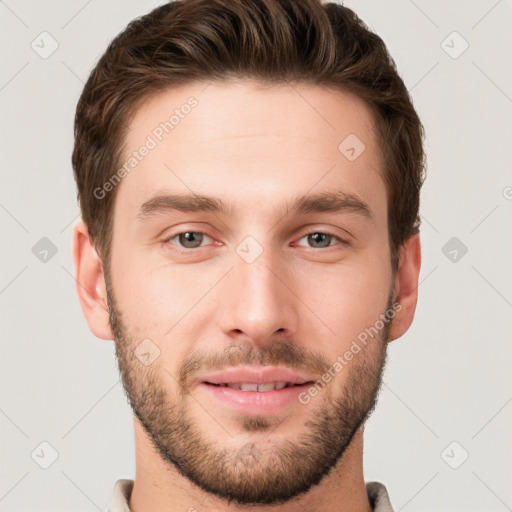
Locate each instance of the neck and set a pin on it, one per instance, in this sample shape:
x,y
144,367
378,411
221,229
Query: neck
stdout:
x,y
159,486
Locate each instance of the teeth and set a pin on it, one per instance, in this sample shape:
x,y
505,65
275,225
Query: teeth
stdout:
x,y
269,386
248,387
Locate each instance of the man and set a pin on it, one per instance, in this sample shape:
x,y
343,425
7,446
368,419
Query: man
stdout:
x,y
249,176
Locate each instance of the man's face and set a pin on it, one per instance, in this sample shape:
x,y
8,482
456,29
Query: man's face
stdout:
x,y
262,286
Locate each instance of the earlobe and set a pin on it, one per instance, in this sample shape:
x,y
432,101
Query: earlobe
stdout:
x,y
406,286
90,283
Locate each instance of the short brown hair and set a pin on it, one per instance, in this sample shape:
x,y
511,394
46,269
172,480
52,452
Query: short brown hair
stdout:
x,y
270,41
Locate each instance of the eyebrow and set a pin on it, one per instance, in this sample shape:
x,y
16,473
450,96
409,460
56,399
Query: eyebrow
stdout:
x,y
334,202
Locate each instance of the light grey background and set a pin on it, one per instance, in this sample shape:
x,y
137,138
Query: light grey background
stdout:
x,y
448,379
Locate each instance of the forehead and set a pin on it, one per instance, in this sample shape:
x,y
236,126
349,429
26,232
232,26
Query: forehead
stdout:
x,y
249,144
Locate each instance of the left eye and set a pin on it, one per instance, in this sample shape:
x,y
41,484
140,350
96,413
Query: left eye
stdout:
x,y
194,239
320,239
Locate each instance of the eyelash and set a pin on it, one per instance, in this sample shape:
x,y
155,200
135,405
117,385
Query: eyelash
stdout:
x,y
188,251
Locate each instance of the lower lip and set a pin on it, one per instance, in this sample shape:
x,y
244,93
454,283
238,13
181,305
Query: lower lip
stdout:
x,y
255,402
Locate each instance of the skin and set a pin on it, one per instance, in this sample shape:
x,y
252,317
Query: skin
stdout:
x,y
300,304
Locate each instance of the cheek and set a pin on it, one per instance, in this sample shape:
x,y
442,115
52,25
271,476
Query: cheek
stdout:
x,y
157,301
347,298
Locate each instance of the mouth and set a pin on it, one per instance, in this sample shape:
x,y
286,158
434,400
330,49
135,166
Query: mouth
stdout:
x,y
261,388
255,390
256,378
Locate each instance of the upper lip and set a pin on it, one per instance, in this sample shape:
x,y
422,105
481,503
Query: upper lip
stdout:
x,y
254,375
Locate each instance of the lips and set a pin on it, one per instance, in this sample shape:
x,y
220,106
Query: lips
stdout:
x,y
262,379
254,391
252,386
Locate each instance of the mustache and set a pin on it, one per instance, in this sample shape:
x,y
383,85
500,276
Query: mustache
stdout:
x,y
279,353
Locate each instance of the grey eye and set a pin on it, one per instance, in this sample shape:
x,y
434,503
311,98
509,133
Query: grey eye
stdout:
x,y
319,239
190,239
323,239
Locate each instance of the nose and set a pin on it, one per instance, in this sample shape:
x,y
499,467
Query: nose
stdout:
x,y
258,302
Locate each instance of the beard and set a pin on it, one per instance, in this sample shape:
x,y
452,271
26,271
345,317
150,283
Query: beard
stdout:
x,y
247,473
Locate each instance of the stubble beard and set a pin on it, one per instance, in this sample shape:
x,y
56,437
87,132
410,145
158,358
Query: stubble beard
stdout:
x,y
248,473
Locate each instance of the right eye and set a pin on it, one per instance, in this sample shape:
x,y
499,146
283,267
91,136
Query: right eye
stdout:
x,y
187,239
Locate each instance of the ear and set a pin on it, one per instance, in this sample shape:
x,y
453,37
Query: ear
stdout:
x,y
90,283
406,286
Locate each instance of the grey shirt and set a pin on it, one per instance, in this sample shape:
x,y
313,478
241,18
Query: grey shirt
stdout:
x,y
377,494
